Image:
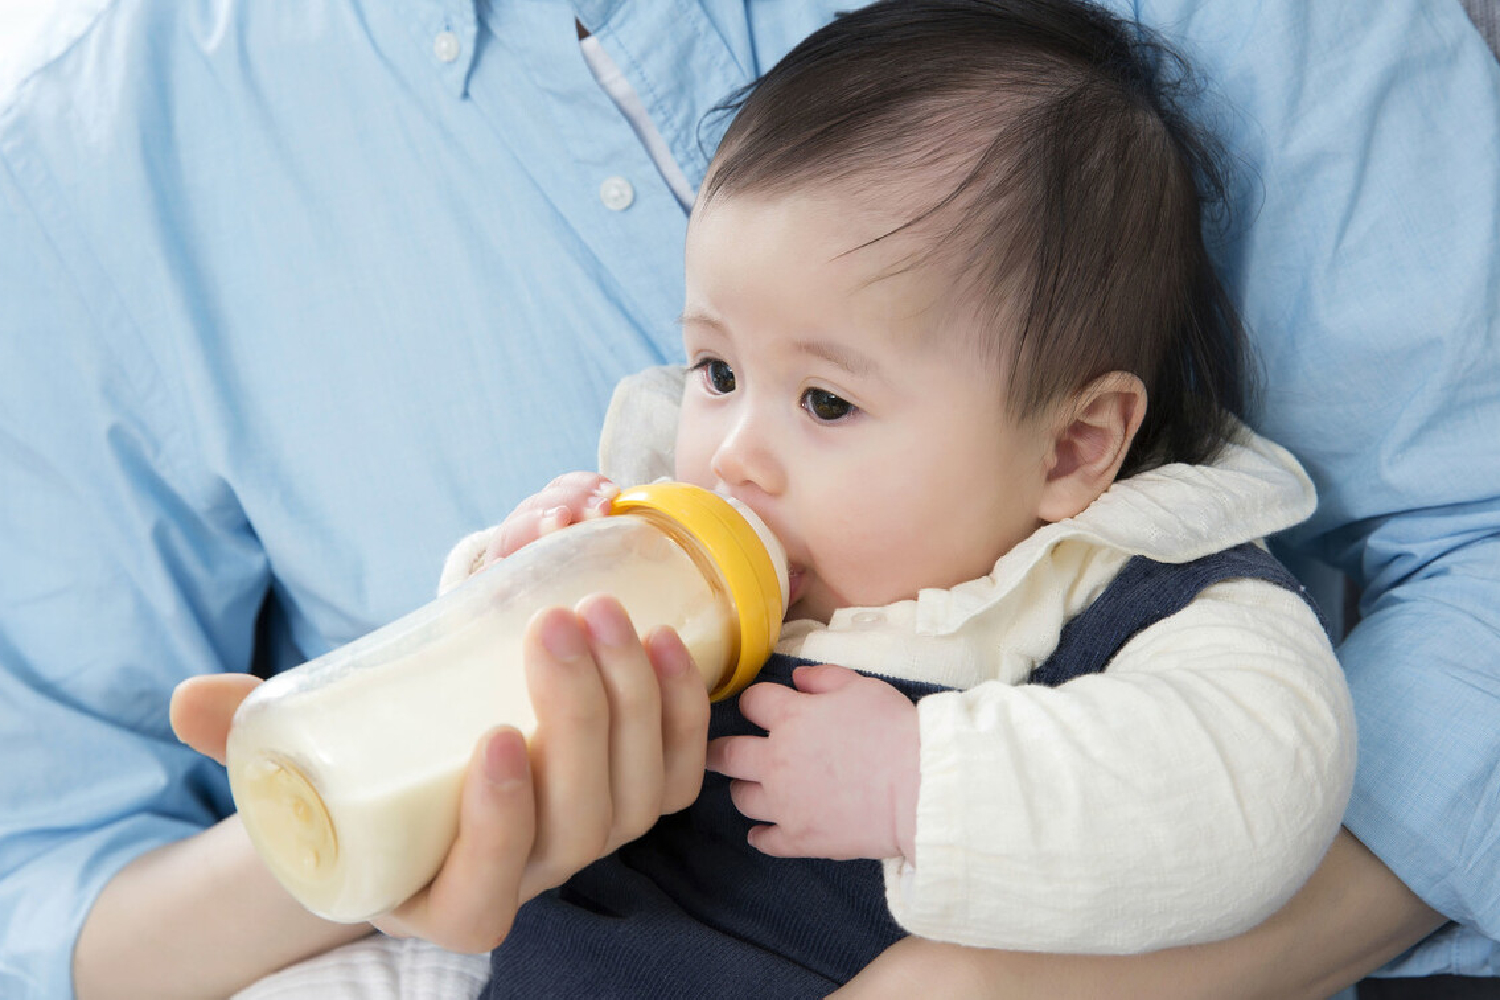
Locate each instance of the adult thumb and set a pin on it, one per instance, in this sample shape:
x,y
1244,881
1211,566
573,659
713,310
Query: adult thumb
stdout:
x,y
202,708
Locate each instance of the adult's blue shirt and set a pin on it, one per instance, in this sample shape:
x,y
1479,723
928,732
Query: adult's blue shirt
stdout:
x,y
294,295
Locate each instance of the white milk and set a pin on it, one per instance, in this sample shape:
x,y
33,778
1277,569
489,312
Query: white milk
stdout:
x,y
347,770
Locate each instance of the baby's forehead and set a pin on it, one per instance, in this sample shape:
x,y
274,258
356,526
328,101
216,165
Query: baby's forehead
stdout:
x,y
873,246
913,211
854,235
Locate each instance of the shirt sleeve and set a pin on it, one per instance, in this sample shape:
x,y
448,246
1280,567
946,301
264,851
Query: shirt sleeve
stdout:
x,y
1366,271
1182,796
121,577
1424,668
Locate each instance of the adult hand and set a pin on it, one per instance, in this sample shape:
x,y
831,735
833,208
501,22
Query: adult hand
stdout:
x,y
620,739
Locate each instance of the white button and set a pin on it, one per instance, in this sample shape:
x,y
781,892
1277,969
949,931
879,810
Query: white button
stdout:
x,y
867,619
616,193
446,46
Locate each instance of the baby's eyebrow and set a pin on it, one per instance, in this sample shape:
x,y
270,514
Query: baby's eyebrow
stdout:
x,y
850,360
698,319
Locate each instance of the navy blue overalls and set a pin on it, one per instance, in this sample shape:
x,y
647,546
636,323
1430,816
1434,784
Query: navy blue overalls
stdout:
x,y
691,910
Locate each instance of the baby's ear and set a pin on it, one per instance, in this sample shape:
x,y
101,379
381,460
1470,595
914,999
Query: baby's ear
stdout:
x,y
1093,435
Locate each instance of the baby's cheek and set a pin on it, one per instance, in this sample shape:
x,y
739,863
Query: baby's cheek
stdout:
x,y
691,453
877,569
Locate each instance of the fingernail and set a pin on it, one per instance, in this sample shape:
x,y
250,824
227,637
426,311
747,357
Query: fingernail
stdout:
x,y
664,656
610,624
604,499
563,639
499,769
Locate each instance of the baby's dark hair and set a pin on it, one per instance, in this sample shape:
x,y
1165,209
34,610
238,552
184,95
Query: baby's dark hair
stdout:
x,y
1072,189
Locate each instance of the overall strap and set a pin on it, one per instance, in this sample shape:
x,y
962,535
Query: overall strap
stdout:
x,y
1145,592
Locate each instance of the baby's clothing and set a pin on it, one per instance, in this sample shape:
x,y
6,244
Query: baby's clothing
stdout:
x,y
1181,796
376,967
691,909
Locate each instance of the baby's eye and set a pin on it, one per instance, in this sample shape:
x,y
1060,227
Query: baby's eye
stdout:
x,y
825,406
717,375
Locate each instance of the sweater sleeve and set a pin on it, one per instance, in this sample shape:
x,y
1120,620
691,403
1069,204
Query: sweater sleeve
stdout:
x,y
1181,796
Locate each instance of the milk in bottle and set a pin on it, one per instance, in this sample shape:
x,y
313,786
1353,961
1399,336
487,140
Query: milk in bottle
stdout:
x,y
347,769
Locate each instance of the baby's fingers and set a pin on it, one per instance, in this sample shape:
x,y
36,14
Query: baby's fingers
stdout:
x,y
768,705
821,678
775,841
568,499
739,757
753,801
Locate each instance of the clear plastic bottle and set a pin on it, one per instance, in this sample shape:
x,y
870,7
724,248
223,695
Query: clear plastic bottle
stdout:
x,y
346,770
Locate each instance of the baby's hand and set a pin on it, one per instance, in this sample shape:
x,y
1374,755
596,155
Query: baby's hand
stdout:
x,y
574,496
836,774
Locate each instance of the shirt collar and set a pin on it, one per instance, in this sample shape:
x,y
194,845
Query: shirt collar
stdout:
x,y
596,13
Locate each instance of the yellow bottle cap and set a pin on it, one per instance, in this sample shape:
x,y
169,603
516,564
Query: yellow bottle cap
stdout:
x,y
741,552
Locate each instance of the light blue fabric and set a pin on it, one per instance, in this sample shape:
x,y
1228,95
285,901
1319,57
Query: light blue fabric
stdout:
x,y
288,301
1370,280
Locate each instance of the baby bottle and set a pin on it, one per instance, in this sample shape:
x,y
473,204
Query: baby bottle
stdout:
x,y
346,770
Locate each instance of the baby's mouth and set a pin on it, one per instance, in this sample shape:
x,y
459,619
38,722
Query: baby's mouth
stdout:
x,y
796,584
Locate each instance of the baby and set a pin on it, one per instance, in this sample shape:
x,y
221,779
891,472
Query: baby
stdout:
x,y
953,333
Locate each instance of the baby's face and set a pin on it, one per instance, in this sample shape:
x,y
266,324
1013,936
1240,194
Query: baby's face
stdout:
x,y
827,395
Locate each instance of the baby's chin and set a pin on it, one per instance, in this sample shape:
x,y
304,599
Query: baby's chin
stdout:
x,y
812,606
799,612
815,601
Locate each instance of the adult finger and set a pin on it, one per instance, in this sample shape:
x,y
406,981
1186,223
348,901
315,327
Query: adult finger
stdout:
x,y
471,903
569,749
636,767
202,708
684,719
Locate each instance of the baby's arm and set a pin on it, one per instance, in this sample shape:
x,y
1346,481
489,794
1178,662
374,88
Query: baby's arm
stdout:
x,y
1180,797
571,497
